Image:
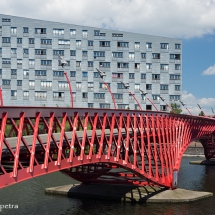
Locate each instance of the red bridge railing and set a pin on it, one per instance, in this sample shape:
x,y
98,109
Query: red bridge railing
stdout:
x,y
98,145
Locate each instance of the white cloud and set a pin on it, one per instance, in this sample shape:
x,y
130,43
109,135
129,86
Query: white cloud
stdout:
x,y
209,71
174,18
191,103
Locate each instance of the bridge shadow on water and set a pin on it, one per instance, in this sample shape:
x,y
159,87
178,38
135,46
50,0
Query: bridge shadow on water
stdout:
x,y
120,193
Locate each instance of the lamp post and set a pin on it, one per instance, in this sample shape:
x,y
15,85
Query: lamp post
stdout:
x,y
1,98
212,110
167,104
183,104
63,63
126,86
144,93
201,110
102,74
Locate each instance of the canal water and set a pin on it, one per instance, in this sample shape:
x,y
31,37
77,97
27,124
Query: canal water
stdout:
x,y
30,198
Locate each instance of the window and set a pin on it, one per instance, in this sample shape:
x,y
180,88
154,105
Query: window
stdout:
x,y
13,93
143,76
72,32
78,85
60,52
117,35
164,45
96,75
90,84
1,51
155,77
103,86
72,53
57,31
163,108
78,63
31,62
99,54
25,72
46,41
31,83
177,87
137,66
104,43
120,86
25,30
117,54
131,75
175,77
148,107
137,86
97,33
63,84
99,95
104,64
174,97
156,56
31,40
19,40
164,87
25,51
58,73
13,30
84,33
175,56
5,20
90,105
72,73
104,105
6,60
19,82
177,46
78,43
148,45
90,43
26,93
40,30
13,72
84,95
143,55
5,39
40,72
177,66
0,71
19,61
164,66
136,45
13,51
155,97
117,75
5,82
46,62
84,74
46,84
84,53
148,86
122,106
148,66
118,96
58,94
122,65
131,55
123,44
40,94
63,42
90,63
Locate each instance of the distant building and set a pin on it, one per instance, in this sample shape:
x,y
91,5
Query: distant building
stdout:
x,y
30,73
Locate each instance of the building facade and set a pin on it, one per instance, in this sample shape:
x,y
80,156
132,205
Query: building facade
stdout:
x,y
30,73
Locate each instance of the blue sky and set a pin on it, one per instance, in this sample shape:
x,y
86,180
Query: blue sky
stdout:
x,y
190,20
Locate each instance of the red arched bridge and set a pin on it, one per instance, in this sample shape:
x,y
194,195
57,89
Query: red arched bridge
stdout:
x,y
98,145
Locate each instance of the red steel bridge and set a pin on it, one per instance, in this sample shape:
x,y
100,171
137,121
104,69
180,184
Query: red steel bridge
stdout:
x,y
98,145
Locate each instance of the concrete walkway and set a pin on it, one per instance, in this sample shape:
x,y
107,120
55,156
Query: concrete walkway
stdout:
x,y
126,193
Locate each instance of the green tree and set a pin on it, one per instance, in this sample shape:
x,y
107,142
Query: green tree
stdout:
x,y
176,108
201,113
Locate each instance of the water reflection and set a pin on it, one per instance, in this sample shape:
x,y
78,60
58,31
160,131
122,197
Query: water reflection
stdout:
x,y
31,198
